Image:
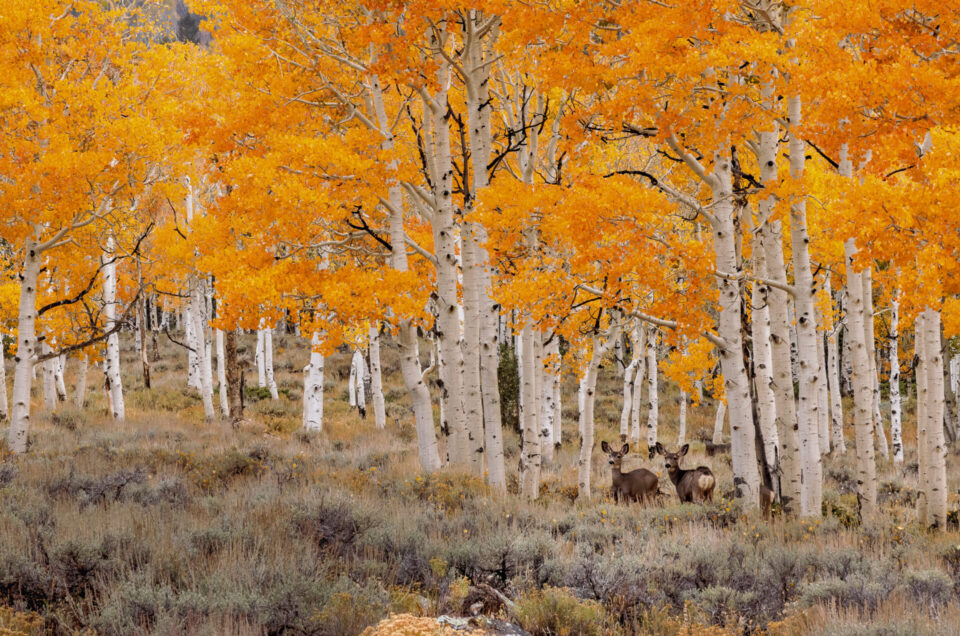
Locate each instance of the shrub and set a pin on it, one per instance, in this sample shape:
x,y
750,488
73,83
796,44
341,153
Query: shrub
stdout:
x,y
89,490
557,612
14,623
928,586
8,472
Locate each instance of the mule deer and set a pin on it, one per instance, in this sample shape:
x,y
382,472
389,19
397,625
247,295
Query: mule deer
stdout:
x,y
637,485
692,485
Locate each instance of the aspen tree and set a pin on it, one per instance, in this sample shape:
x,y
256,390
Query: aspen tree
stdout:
x,y
936,446
601,345
313,388
112,360
833,376
893,346
653,391
870,339
376,379
640,348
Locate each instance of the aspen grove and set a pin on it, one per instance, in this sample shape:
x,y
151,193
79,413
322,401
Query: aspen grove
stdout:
x,y
741,212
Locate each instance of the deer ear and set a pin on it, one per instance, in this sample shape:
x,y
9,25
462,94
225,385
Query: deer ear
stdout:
x,y
605,447
683,451
625,449
659,448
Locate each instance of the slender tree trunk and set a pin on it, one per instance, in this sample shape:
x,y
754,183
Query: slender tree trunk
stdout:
x,y
198,315
113,341
589,383
557,406
47,368
746,475
640,346
268,362
313,388
937,449
896,433
870,339
786,405
376,380
823,396
923,418
548,410
61,368
627,408
833,377
195,344
489,385
4,405
470,369
761,350
222,376
808,342
530,458
718,421
682,426
259,360
142,330
80,397
234,376
862,385
653,391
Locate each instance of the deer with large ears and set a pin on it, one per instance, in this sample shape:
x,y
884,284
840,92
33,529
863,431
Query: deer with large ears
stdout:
x,y
637,485
692,485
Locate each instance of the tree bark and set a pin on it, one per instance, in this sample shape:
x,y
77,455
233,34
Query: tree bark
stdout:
x,y
653,391
234,375
548,410
113,341
313,388
222,376
268,362
198,315
628,375
530,458
833,377
936,446
376,380
640,346
862,387
896,432
80,396
682,426
808,343
589,384
718,421
870,339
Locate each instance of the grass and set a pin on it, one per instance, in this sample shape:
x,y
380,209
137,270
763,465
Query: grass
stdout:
x,y
166,524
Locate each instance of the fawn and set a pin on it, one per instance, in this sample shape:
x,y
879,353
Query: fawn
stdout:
x,y
692,485
637,485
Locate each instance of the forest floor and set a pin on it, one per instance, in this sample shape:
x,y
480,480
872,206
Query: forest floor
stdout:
x,y
165,524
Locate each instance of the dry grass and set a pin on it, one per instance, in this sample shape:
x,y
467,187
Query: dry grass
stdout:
x,y
165,524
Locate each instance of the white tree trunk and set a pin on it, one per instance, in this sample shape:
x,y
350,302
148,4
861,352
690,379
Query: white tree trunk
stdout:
x,y
923,418
555,378
682,426
823,397
786,405
763,358
589,385
653,391
896,432
313,388
808,342
4,405
376,380
489,383
870,339
639,346
222,376
833,377
862,385
736,383
195,343
545,411
80,397
48,370
530,458
936,446
268,362
60,367
356,377
259,360
627,409
718,421
198,315
113,341
470,361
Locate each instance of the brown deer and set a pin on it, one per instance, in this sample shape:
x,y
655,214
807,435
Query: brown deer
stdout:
x,y
637,485
692,485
